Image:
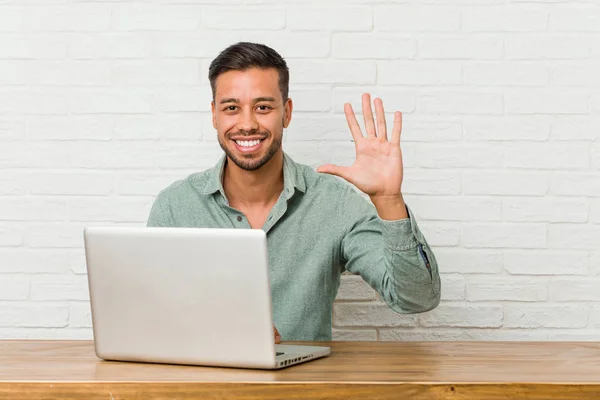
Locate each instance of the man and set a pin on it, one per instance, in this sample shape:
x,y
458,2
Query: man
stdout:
x,y
317,225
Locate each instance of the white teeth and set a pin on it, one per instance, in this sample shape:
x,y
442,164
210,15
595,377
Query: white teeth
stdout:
x,y
247,143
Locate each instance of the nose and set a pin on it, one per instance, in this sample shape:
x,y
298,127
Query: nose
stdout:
x,y
247,121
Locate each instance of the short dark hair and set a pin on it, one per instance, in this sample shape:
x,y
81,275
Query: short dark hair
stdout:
x,y
245,55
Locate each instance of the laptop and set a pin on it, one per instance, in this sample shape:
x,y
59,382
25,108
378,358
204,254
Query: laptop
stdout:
x,y
193,296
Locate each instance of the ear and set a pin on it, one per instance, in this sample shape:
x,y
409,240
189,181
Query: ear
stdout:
x,y
214,114
287,112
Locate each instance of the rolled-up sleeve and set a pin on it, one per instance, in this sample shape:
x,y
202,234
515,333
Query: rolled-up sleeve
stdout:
x,y
391,256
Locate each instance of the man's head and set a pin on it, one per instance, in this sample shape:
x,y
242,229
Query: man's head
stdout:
x,y
250,104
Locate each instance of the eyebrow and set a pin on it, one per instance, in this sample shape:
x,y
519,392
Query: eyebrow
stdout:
x,y
256,100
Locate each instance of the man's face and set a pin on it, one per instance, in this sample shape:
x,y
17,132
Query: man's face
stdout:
x,y
249,115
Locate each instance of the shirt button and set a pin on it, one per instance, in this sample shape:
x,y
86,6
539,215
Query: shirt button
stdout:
x,y
239,218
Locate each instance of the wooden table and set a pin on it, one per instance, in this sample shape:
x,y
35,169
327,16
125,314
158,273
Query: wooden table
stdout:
x,y
355,370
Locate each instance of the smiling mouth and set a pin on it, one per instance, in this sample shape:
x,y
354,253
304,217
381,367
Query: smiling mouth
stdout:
x,y
248,145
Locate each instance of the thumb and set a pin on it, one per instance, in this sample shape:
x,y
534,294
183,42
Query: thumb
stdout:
x,y
342,172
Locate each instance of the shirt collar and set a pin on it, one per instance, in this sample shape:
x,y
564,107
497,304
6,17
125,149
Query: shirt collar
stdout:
x,y
293,179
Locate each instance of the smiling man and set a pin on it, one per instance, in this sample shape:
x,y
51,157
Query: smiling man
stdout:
x,y
317,225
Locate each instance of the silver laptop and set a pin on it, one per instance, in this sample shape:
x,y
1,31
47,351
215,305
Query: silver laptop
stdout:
x,y
190,296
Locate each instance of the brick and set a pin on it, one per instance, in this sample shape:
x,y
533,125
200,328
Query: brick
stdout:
x,y
317,72
76,183
545,263
595,211
575,128
575,19
582,289
463,316
187,126
571,335
409,18
573,236
193,44
425,181
452,155
294,44
33,315
13,155
246,17
505,74
13,73
72,127
369,314
32,209
113,209
515,183
153,17
32,261
506,128
544,101
12,183
354,334
419,73
546,47
393,100
14,287
464,334
507,289
596,156
100,155
457,208
32,101
461,47
453,287
67,18
68,73
541,156
329,18
144,183
595,263
460,103
161,72
186,99
80,315
55,235
36,47
549,209
100,46
595,319
46,155
575,184
12,129
59,287
421,129
191,155
373,46
545,316
111,101
441,233
354,288
11,19
469,261
583,74
504,19
310,99
10,235
522,236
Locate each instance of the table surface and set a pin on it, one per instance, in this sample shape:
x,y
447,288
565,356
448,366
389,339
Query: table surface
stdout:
x,y
29,367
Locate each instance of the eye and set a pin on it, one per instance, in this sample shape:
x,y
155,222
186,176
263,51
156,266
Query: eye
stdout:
x,y
264,107
230,108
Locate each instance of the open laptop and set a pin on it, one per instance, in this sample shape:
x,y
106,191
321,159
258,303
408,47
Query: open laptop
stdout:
x,y
194,296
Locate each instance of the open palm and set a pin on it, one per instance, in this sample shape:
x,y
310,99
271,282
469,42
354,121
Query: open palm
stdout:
x,y
378,169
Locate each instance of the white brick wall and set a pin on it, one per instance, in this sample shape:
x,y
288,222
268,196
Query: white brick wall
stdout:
x,y
103,104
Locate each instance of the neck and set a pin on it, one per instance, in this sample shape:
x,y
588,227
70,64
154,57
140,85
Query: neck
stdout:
x,y
254,188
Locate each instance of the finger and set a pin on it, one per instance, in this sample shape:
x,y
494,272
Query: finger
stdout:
x,y
368,115
277,335
352,122
342,172
381,126
397,129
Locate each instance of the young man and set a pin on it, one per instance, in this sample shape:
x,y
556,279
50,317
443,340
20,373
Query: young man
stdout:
x,y
317,225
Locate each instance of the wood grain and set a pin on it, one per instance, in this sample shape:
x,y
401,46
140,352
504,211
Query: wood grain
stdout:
x,y
355,370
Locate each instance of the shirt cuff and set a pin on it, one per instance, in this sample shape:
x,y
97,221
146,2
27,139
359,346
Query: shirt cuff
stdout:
x,y
400,234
